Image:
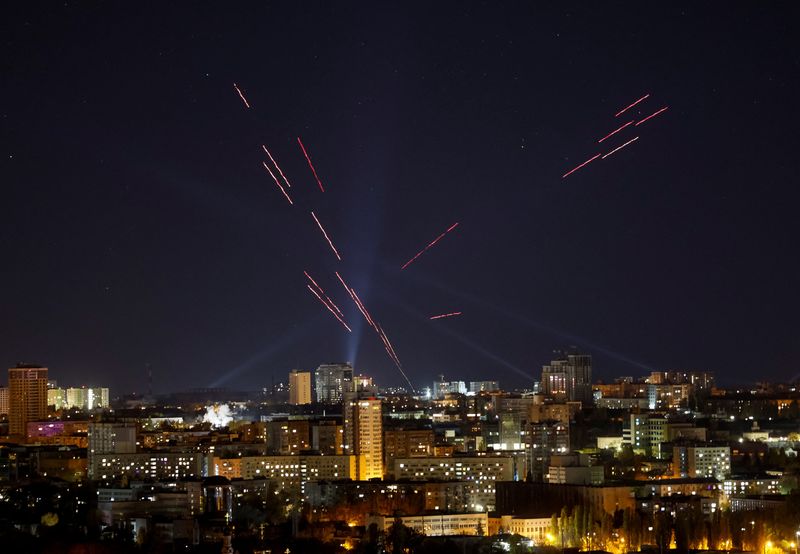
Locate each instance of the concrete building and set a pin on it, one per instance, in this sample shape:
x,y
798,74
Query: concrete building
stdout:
x,y
442,387
146,465
668,396
289,436
3,400
701,460
533,528
56,397
299,387
484,386
327,437
332,381
437,525
574,469
545,439
481,472
406,443
27,397
569,378
84,398
105,440
363,434
286,472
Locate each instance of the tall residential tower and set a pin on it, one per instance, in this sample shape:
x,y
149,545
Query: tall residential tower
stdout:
x,y
27,397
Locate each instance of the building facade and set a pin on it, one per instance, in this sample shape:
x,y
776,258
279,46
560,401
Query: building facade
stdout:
x,y
569,378
363,434
299,387
332,381
27,397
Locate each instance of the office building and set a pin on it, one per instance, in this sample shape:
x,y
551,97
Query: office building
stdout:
x,y
299,387
332,381
27,397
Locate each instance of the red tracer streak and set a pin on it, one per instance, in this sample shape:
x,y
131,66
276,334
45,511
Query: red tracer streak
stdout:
x,y
308,159
621,147
451,314
573,170
329,308
326,237
622,111
322,292
288,184
612,133
437,239
652,115
246,103
277,183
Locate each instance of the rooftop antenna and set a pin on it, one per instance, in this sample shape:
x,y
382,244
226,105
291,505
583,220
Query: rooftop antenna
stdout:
x,y
149,380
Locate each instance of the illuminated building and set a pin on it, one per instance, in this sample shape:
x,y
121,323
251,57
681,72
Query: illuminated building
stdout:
x,y
289,436
363,434
437,524
27,397
481,472
84,398
299,387
107,439
483,386
3,400
332,381
701,460
406,443
569,378
327,437
286,472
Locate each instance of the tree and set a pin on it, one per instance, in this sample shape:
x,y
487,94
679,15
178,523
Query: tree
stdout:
x,y
401,538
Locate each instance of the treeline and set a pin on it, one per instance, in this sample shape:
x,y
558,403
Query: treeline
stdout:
x,y
681,527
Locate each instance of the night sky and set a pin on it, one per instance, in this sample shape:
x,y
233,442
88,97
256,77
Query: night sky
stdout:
x,y
139,226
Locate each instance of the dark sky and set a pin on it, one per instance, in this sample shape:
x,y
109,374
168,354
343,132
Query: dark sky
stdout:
x,y
138,225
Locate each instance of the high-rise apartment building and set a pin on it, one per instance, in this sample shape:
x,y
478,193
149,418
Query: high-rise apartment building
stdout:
x,y
569,378
299,387
363,434
332,381
84,398
3,400
703,460
27,397
106,439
